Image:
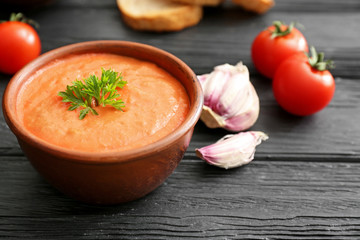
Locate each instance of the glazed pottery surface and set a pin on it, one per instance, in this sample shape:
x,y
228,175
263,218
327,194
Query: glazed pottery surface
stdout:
x,y
116,177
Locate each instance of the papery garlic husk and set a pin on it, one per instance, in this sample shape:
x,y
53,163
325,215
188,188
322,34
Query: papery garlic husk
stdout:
x,y
230,100
233,150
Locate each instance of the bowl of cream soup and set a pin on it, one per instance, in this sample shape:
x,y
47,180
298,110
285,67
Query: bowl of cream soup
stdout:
x,y
110,155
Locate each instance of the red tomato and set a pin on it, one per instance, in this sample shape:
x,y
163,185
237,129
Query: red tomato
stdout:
x,y
268,52
300,88
19,44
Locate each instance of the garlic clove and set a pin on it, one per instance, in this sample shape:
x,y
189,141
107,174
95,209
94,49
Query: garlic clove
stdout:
x,y
233,150
247,115
230,100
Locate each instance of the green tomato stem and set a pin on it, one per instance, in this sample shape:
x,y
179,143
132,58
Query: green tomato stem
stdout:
x,y
20,17
278,32
317,60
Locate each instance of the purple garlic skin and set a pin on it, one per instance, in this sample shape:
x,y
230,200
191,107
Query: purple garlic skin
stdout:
x,y
232,150
230,100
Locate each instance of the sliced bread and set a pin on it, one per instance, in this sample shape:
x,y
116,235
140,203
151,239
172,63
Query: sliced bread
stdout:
x,y
258,6
159,15
201,2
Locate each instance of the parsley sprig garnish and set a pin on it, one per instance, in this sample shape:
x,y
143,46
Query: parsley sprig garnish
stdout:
x,y
93,91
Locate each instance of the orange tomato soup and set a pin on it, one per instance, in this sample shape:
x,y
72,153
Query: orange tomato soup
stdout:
x,y
156,104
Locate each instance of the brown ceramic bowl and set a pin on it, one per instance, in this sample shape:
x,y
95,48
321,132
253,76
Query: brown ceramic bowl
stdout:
x,y
107,178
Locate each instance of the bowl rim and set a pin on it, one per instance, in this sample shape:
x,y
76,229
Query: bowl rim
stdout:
x,y
97,157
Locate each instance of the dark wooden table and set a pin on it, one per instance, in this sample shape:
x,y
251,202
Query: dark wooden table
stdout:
x,y
304,182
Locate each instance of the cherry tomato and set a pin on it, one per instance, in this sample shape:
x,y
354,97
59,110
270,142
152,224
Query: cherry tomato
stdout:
x,y
274,45
300,88
19,44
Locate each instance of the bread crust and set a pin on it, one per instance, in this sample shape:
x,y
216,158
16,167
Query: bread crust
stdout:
x,y
201,2
174,18
258,6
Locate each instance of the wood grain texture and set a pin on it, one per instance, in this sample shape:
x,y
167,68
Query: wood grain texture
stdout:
x,y
302,184
264,200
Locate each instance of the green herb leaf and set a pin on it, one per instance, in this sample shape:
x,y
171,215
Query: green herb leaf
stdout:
x,y
94,91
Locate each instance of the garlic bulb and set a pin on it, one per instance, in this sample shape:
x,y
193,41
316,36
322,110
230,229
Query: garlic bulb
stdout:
x,y
232,150
230,100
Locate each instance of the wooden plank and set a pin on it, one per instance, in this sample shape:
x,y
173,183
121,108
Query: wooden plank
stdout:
x,y
311,138
274,200
205,46
229,39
